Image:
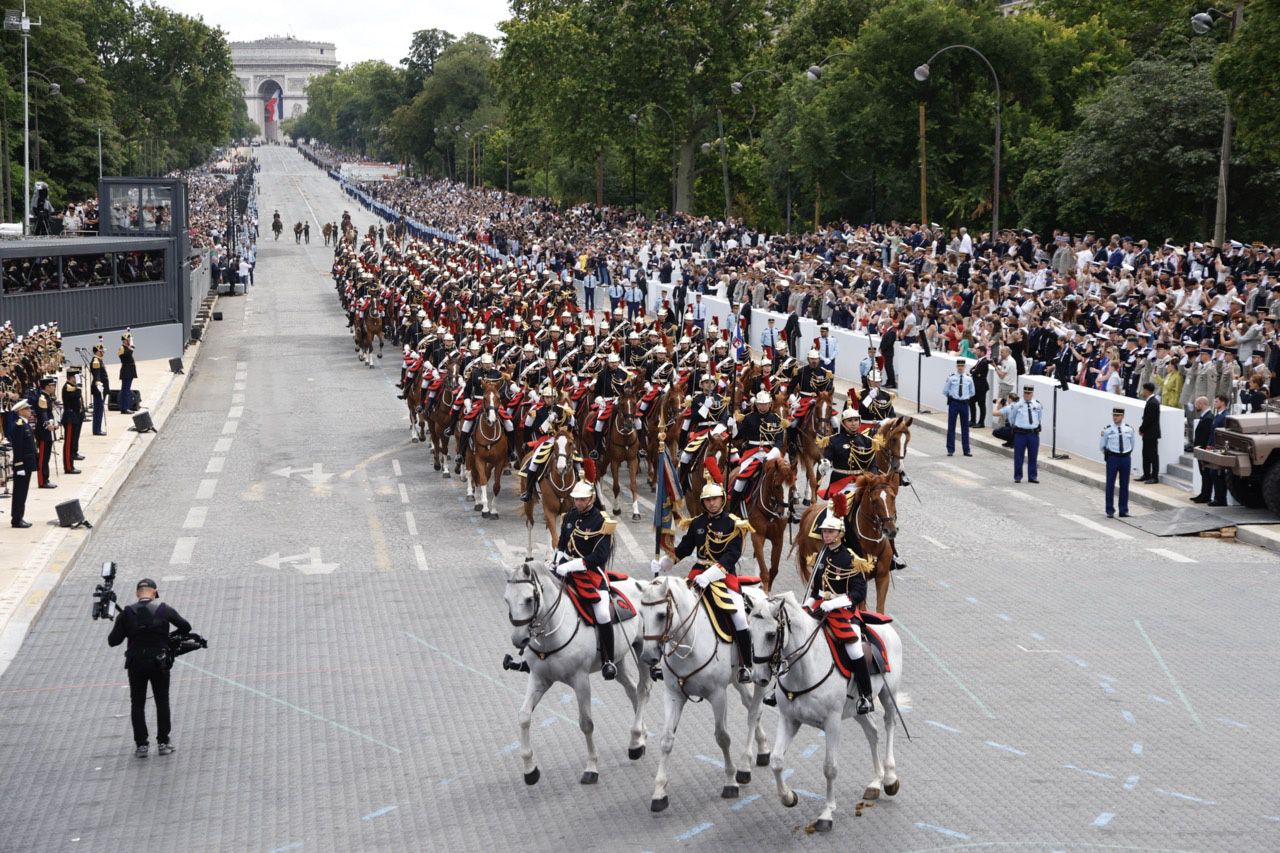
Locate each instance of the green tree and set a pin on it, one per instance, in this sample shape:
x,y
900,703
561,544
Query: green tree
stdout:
x,y
1249,73
424,49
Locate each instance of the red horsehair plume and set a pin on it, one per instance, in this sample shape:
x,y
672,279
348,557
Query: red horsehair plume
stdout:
x,y
713,470
840,504
589,471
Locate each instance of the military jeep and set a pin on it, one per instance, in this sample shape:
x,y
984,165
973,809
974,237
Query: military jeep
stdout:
x,y
1248,448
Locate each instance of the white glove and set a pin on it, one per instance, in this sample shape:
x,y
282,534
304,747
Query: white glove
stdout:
x,y
704,411
836,603
792,399
710,576
824,467
572,566
808,603
98,385
558,557
663,565
599,400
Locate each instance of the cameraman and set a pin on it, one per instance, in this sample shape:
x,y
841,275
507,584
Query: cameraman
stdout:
x,y
145,624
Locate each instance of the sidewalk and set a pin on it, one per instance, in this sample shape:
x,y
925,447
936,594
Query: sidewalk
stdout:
x,y
33,561
1157,497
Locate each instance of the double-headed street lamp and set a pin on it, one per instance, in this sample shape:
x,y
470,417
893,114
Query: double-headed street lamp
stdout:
x,y
922,74
1201,24
737,88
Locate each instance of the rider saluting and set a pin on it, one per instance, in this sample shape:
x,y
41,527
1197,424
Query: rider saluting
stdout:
x,y
581,556
836,587
715,538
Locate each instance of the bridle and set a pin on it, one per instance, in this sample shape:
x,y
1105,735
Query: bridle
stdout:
x,y
671,640
764,493
879,520
536,622
781,664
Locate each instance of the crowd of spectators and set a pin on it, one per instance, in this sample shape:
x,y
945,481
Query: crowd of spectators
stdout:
x,y
1109,312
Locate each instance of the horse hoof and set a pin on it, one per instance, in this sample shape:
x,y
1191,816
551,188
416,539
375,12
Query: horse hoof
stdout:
x,y
791,804
617,510
823,826
730,792
743,777
437,467
532,777
659,805
476,508
379,355
413,439
635,753
589,778
448,476
892,788
808,502
493,516
762,760
484,514
635,516
871,794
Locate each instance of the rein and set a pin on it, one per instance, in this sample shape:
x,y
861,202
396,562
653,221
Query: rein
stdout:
x,y
669,638
781,664
536,623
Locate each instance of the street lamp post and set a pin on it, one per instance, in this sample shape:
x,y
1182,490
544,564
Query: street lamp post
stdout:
x,y
724,164
23,24
922,74
736,88
1201,24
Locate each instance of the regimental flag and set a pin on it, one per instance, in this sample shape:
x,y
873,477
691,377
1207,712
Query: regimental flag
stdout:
x,y
665,505
739,346
274,105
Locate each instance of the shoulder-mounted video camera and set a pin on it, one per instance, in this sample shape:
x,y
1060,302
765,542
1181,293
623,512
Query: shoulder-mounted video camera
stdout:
x,y
104,597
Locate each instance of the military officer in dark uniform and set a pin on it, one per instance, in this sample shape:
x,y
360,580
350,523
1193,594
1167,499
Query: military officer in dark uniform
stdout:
x,y
128,373
25,460
759,433
715,539
72,421
101,385
837,586
812,380
581,558
145,624
46,428
875,404
848,454
611,383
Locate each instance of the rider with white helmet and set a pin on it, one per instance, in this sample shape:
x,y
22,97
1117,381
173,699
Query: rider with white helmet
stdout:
x,y
581,558
836,588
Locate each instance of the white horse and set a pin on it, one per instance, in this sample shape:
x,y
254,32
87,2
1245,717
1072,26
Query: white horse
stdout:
x,y
678,632
808,694
559,647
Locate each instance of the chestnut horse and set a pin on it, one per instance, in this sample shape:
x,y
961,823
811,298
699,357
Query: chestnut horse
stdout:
x,y
558,477
872,520
437,419
768,509
622,445
661,419
715,447
368,328
487,451
814,430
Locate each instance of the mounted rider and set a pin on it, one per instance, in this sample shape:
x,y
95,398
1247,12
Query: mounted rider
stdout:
x,y
472,396
837,585
875,404
849,453
543,421
760,435
715,538
813,380
707,411
611,383
582,554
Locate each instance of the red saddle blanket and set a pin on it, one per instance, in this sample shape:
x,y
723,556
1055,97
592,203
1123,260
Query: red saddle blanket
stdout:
x,y
872,646
584,589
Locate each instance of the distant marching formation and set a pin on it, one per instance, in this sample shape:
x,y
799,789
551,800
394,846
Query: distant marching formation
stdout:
x,y
500,359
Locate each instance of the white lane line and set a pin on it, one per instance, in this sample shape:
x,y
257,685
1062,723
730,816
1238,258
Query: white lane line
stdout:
x,y
230,427
243,365
204,492
911,451
404,494
964,471
934,542
182,550
1171,555
1022,494
215,465
421,557
222,445
957,479
237,398
235,412
196,516
241,376
395,466
412,522
1095,526
239,386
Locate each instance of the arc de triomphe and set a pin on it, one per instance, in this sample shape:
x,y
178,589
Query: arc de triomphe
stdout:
x,y
278,65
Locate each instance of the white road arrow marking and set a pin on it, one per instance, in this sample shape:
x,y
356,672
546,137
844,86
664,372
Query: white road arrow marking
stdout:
x,y
314,566
314,475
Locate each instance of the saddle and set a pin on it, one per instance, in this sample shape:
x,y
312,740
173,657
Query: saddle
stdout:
x,y
873,649
583,596
803,405
720,608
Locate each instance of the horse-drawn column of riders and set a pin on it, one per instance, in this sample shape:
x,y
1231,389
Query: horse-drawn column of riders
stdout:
x,y
499,359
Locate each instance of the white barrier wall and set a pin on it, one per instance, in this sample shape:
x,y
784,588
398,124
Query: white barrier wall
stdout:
x,y
1082,412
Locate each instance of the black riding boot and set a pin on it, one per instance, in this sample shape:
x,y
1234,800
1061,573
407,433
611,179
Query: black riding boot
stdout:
x,y
897,562
464,440
598,450
743,640
862,678
607,667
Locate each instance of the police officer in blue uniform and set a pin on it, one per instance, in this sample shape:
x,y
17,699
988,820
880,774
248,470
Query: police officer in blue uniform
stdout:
x,y
616,293
1024,419
1116,445
958,389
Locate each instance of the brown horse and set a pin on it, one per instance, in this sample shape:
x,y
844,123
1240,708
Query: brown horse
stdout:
x,y
297,232
872,521
559,474
622,444
437,418
413,399
661,419
768,509
893,436
368,328
487,451
716,446
814,430
327,231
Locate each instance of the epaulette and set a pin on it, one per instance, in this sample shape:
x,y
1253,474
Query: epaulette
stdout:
x,y
741,524
609,525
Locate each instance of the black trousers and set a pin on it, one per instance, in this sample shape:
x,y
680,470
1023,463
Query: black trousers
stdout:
x,y
139,680
18,503
890,377
1150,458
1213,484
978,405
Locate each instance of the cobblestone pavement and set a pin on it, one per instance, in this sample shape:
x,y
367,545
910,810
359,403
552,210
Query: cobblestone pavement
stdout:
x,y
1072,684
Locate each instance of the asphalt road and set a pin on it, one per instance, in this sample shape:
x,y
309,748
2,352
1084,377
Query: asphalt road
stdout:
x,y
1072,683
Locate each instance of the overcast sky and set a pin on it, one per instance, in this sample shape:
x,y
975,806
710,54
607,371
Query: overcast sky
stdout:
x,y
360,30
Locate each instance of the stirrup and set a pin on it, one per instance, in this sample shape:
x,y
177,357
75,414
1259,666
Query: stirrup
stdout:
x,y
510,663
655,672
609,670
744,675
864,705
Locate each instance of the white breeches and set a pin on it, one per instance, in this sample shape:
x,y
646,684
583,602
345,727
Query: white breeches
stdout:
x,y
739,620
601,610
